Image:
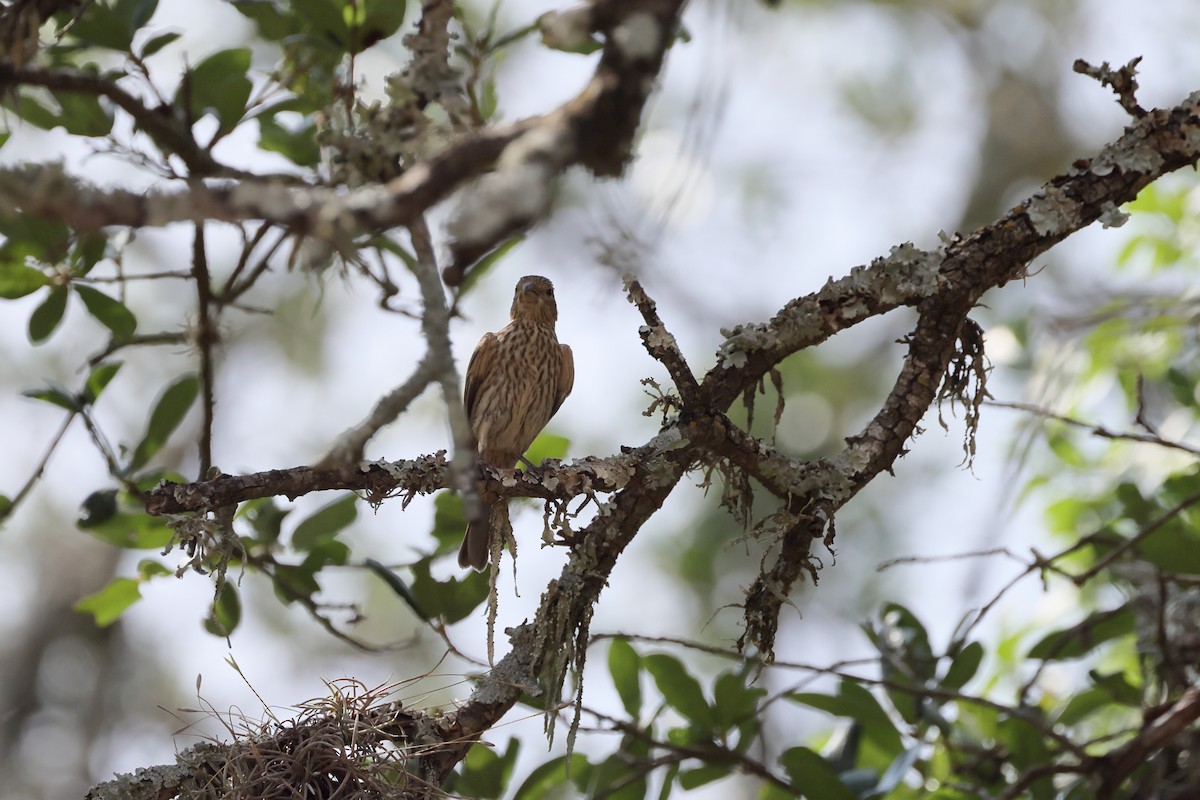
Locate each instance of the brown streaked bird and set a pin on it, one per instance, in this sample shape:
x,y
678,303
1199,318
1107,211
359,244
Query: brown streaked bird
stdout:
x,y
516,380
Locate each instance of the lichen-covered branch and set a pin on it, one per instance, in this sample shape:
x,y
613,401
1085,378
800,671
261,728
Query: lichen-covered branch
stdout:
x,y
381,479
595,130
661,345
943,286
1162,141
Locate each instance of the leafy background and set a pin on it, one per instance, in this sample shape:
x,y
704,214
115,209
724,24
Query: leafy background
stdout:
x,y
786,146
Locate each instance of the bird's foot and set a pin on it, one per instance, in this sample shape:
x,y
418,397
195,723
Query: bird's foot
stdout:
x,y
532,469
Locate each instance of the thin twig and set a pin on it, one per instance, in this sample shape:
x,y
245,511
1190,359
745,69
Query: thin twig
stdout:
x,y
662,346
1120,549
708,754
41,467
206,335
1121,80
1097,430
435,325
137,341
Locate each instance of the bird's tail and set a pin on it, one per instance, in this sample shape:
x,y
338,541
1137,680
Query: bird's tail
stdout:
x,y
477,542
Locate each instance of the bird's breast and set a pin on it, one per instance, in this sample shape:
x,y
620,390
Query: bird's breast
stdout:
x,y
516,399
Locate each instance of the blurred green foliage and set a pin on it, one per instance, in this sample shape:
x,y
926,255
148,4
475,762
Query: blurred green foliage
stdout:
x,y
961,718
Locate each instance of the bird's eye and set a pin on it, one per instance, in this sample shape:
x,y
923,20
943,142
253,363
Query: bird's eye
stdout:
x,y
550,291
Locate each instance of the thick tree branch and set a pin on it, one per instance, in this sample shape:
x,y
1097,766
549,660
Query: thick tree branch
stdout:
x,y
944,286
595,130
167,131
1178,720
382,479
1161,142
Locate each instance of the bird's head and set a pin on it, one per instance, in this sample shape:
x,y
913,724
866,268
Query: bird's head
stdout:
x,y
534,300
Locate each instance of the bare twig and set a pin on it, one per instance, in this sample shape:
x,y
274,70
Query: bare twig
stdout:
x,y
1134,541
1122,81
661,345
1096,430
41,466
206,337
137,340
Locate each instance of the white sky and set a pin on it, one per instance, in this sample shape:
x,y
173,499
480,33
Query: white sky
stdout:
x,y
786,188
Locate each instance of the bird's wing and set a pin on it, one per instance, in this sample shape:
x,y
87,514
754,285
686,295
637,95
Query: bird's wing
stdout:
x,y
479,368
566,377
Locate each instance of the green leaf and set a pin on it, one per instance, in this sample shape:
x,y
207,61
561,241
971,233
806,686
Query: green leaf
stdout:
x,y
450,600
324,523
218,84
135,13
107,605
813,776
325,20
544,781
964,666
695,778
129,530
1083,705
902,635
6,506
272,21
109,311
328,553
18,280
381,20
46,317
681,691
265,517
449,522
169,411
156,43
87,251
618,777
1118,688
855,702
291,583
98,379
225,613
55,396
624,665
1063,447
33,109
397,585
485,773
98,507
101,25
547,445
1027,747
1081,639
149,568
32,237
733,701
298,146
83,114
